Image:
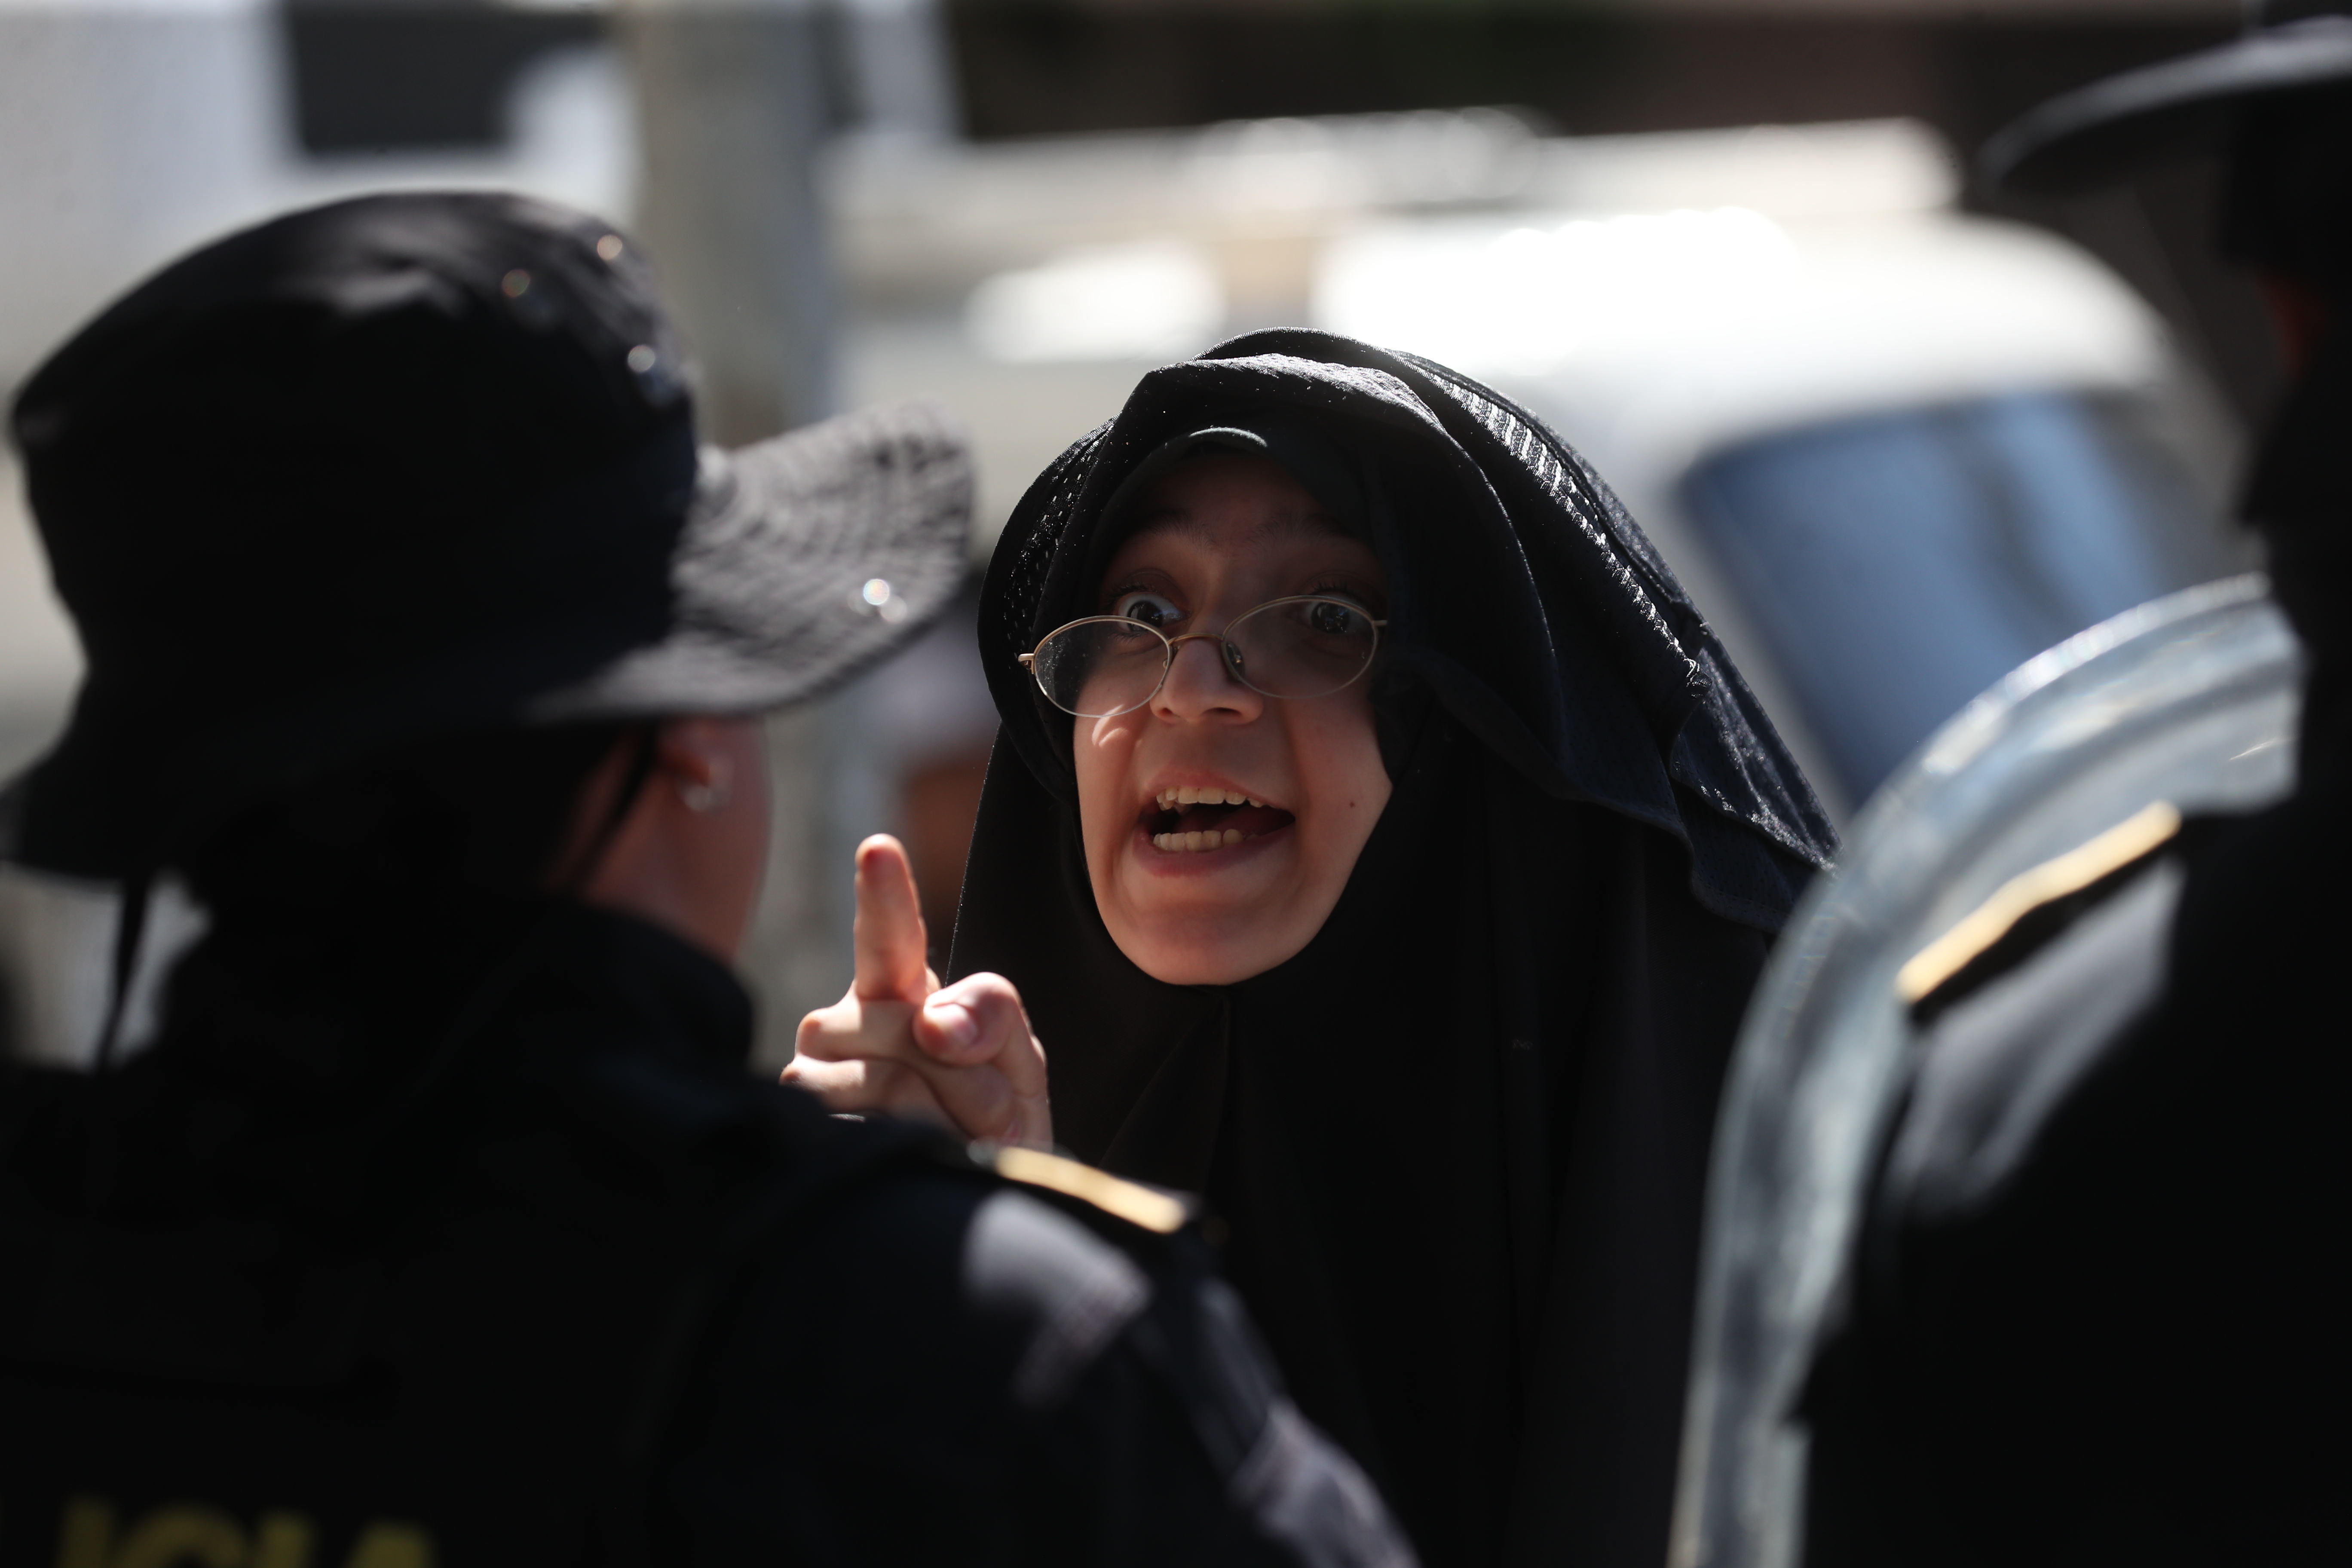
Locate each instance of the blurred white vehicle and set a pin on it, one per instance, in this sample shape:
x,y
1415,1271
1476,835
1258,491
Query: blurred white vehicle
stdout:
x,y
1893,451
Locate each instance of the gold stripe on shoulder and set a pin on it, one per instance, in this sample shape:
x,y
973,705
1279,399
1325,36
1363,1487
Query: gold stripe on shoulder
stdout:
x,y
2119,847
1138,1205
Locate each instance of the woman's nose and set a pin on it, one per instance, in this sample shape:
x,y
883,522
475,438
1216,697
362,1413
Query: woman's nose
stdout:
x,y
1201,683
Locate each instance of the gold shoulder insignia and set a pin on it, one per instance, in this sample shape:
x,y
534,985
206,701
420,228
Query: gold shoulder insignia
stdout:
x,y
1139,1206
2138,834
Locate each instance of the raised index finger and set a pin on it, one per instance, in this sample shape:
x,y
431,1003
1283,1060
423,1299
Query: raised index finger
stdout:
x,y
888,936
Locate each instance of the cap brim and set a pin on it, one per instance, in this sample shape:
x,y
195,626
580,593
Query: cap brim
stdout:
x,y
2110,130
804,559
800,561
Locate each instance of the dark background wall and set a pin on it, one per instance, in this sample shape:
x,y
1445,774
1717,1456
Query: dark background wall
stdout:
x,y
381,75
376,74
1043,66
1050,67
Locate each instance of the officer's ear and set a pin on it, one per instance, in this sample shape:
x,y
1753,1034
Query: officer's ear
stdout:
x,y
704,762
684,836
696,763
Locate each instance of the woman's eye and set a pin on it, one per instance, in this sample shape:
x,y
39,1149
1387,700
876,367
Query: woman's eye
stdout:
x,y
1152,609
1335,619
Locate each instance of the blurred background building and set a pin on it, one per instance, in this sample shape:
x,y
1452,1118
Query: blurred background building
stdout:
x,y
1896,436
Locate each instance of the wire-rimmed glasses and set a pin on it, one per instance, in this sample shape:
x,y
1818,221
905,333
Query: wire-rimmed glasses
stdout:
x,y
1308,645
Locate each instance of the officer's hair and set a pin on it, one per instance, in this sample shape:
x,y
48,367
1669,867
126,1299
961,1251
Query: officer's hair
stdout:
x,y
483,817
2286,199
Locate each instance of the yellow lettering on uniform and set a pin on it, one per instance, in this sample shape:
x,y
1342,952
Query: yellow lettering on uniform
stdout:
x,y
86,1534
180,1534
389,1545
281,1541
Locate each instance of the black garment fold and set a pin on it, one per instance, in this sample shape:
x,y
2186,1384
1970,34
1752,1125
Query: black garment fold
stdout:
x,y
467,1217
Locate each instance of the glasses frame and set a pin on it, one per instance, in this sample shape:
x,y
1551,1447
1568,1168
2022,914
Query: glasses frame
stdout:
x,y
1231,655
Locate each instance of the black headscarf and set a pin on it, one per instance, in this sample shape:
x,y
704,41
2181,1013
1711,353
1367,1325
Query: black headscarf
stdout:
x,y
1457,1142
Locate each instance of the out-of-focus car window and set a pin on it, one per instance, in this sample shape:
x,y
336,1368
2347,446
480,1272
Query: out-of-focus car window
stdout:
x,y
1897,565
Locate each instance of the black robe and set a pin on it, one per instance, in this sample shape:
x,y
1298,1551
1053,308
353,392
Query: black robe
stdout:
x,y
1458,1144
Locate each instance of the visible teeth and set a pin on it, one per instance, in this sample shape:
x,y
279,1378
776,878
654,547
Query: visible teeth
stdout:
x,y
1187,843
1202,794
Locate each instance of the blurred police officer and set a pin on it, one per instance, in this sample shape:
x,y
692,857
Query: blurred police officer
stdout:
x,y
2098,1310
439,1224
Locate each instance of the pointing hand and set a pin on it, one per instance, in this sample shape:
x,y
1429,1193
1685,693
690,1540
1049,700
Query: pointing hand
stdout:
x,y
900,1044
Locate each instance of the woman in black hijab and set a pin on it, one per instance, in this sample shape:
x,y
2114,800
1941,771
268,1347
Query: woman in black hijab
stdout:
x,y
1456,1140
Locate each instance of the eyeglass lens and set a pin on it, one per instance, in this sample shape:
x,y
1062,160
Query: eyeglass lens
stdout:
x,y
1291,649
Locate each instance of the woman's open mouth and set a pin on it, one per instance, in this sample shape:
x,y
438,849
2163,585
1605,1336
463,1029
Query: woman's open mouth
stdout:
x,y
1190,819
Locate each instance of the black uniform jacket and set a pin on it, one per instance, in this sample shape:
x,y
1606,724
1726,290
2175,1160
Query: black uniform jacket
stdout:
x,y
2098,1313
490,1251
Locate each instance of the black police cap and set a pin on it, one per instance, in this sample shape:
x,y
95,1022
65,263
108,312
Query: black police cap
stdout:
x,y
414,466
